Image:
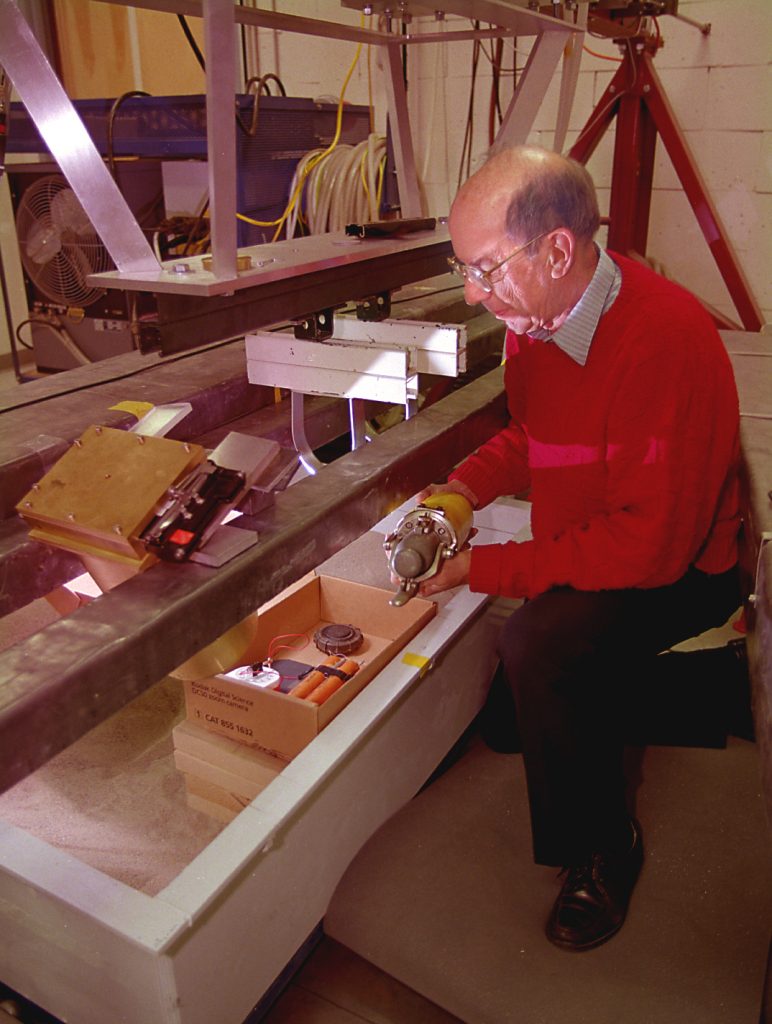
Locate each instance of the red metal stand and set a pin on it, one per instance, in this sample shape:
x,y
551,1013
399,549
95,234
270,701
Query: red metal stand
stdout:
x,y
636,97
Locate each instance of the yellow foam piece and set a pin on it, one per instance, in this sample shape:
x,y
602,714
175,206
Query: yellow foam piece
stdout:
x,y
417,661
138,409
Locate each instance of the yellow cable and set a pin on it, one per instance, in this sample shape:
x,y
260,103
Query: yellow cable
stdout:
x,y
381,175
315,160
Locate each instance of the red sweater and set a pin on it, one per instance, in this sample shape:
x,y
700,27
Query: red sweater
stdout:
x,y
630,461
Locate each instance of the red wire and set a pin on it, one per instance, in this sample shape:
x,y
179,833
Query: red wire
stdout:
x,y
601,56
288,647
273,647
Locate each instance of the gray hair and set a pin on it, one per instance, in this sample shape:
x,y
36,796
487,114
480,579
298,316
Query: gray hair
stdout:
x,y
559,194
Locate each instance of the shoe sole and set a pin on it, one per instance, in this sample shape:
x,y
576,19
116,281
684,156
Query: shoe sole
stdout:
x,y
575,947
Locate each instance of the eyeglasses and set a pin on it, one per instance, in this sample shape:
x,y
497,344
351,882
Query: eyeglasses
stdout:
x,y
483,279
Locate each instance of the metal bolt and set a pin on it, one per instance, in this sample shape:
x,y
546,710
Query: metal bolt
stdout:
x,y
117,528
107,476
36,487
97,430
28,504
71,516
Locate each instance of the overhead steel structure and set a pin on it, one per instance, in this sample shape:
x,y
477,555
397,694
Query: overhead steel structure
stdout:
x,y
137,266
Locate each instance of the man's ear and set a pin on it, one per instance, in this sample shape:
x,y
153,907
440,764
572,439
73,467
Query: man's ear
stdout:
x,y
562,251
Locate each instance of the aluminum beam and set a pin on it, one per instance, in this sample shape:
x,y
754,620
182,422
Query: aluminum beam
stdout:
x,y
187,320
511,15
402,141
221,134
531,88
65,679
287,260
572,59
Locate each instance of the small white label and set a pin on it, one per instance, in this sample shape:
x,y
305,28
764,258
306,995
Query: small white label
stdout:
x,y
109,325
265,678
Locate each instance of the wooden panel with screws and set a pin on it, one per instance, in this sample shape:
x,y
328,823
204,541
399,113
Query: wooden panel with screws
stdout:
x,y
104,491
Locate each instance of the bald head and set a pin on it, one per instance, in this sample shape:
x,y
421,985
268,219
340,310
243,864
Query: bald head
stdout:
x,y
529,191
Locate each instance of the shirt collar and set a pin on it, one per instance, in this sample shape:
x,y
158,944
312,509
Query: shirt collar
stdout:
x,y
575,335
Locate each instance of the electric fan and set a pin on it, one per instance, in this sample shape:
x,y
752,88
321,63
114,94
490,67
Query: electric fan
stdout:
x,y
58,245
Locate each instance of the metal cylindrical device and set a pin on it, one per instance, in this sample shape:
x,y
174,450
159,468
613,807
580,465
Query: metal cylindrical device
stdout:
x,y
434,530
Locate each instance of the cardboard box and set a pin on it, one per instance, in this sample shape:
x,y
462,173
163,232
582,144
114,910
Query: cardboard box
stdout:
x,y
211,800
246,770
283,724
220,771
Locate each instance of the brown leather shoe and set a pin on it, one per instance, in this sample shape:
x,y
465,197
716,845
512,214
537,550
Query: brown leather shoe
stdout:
x,y
594,898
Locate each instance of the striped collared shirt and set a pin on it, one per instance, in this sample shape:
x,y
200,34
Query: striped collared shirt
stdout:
x,y
575,335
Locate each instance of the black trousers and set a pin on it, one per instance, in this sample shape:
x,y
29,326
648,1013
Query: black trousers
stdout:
x,y
569,657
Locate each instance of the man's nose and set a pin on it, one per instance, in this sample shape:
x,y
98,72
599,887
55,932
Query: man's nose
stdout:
x,y
473,293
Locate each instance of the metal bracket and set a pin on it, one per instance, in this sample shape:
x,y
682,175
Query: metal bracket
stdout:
x,y
375,307
379,361
316,326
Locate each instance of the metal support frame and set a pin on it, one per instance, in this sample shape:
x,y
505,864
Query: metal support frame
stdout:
x,y
50,108
404,155
299,439
572,59
221,134
637,98
538,73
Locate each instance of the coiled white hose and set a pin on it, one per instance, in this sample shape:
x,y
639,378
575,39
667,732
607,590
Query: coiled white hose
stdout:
x,y
341,188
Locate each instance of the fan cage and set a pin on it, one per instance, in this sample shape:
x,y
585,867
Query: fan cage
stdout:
x,y
59,253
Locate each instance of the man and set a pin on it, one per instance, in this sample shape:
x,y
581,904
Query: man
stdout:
x,y
624,435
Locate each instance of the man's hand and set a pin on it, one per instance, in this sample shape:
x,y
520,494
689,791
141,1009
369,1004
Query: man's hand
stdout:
x,y
453,572
451,487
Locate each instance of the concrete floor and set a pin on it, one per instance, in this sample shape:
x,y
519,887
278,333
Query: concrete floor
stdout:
x,y
445,898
